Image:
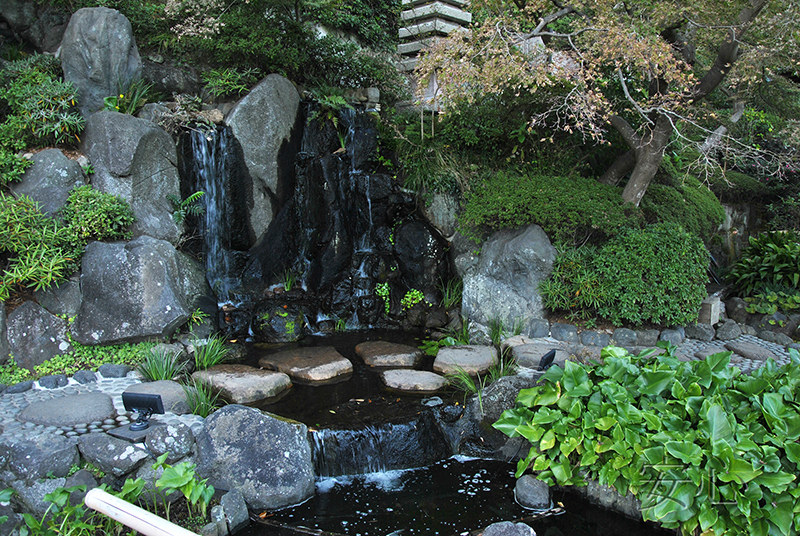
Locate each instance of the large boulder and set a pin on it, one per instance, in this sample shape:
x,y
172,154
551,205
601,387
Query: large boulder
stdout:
x,y
263,123
42,456
62,299
40,25
49,180
35,335
502,282
271,468
150,296
422,257
111,455
137,161
98,53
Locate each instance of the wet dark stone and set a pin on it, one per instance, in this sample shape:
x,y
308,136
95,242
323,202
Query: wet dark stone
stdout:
x,y
422,256
53,381
20,387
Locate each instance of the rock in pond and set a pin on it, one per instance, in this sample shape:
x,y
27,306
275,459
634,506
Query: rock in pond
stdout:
x,y
241,384
388,354
316,364
413,380
472,359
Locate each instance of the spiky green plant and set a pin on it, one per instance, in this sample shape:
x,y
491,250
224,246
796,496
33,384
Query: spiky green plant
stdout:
x,y
201,399
161,363
213,352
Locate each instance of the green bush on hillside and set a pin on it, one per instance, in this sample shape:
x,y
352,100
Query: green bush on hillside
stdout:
x,y
656,274
571,210
687,203
771,259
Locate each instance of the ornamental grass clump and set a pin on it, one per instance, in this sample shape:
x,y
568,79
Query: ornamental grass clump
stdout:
x,y
704,447
213,352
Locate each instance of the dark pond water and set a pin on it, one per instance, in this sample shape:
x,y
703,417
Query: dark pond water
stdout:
x,y
454,496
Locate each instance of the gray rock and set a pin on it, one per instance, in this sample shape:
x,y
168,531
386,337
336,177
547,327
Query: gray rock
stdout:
x,y
84,376
69,410
176,439
413,380
148,300
747,329
271,469
235,509
388,354
701,332
140,166
728,331
736,309
35,335
3,334
531,492
536,328
42,456
609,498
440,209
262,122
173,397
31,494
647,337
503,283
710,310
624,337
775,336
218,518
673,336
211,529
422,255
110,370
49,180
12,522
472,359
564,332
20,387
313,364
169,78
111,455
46,33
593,338
80,478
508,528
18,14
54,381
63,299
750,350
98,53
707,351
241,384
530,355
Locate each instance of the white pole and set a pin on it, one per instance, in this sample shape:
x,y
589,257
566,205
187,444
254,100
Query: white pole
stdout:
x,y
132,516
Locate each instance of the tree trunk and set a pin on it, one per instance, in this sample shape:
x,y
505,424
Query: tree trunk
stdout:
x,y
621,167
649,153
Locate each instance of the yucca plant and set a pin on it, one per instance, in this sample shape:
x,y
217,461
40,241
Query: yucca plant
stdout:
x,y
161,364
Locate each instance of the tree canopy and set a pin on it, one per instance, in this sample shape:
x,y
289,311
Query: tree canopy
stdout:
x,y
639,67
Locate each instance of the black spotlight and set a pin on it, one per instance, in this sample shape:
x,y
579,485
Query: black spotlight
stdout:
x,y
144,405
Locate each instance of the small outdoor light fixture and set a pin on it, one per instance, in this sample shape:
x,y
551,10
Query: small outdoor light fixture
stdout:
x,y
547,360
144,405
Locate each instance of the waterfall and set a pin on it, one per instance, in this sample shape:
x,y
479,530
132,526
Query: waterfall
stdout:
x,y
211,166
378,448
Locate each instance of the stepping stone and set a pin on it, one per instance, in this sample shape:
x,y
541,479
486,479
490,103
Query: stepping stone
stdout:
x,y
413,380
388,354
707,351
172,394
316,364
241,384
529,355
472,359
69,410
750,350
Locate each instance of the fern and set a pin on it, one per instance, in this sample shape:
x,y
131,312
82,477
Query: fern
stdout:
x,y
188,207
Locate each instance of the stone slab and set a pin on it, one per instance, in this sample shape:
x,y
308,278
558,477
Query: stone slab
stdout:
x,y
69,410
413,380
388,354
316,364
241,384
529,355
710,309
472,359
750,350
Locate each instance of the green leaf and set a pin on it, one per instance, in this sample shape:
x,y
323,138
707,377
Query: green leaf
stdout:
x,y
653,382
792,452
739,471
604,423
548,441
685,452
716,426
776,482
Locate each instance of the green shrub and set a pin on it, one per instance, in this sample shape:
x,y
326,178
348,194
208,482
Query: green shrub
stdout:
x,y
770,259
202,400
94,215
735,187
163,364
703,447
212,352
688,203
229,82
11,166
575,285
569,209
656,274
41,108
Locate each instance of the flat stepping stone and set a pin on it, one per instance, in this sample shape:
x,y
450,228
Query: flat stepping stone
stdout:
x,y
70,410
241,384
710,350
388,354
413,380
472,359
529,355
315,364
173,397
750,350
